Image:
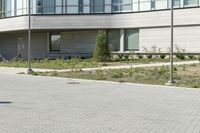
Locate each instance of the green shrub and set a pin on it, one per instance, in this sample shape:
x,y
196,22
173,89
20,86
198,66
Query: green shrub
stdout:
x,y
180,53
175,68
126,57
162,56
140,56
180,56
101,52
149,56
191,57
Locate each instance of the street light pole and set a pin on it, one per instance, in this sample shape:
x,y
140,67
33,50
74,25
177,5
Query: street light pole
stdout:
x,y
29,38
172,82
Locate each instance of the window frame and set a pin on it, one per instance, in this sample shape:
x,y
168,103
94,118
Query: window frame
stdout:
x,y
50,42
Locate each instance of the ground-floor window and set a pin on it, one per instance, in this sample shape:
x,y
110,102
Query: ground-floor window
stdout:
x,y
131,39
55,42
114,40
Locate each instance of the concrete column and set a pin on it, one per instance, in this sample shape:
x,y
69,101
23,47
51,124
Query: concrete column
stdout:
x,y
122,36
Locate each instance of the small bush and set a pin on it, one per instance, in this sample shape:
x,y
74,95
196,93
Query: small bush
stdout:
x,y
175,68
149,56
126,57
162,57
180,56
180,53
101,52
140,56
191,57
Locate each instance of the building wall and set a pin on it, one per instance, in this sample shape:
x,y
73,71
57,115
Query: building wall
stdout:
x,y
11,47
104,21
187,38
8,46
39,45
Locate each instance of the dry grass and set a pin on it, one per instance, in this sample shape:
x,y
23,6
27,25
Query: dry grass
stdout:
x,y
185,76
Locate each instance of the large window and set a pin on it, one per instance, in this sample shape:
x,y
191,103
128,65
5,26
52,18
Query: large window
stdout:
x,y
58,6
39,6
97,6
121,5
145,5
191,2
72,6
114,40
81,4
7,8
48,7
161,4
131,39
55,42
10,8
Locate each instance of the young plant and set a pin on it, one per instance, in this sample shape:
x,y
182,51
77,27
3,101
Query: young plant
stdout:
x,y
102,52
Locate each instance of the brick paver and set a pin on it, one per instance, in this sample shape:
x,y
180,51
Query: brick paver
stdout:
x,y
56,105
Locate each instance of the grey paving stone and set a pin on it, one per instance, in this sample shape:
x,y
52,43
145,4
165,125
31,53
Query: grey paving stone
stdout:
x,y
51,105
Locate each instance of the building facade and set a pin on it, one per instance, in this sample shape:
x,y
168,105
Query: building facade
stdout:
x,y
65,28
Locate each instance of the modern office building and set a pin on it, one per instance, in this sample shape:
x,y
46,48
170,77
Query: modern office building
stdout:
x,y
62,28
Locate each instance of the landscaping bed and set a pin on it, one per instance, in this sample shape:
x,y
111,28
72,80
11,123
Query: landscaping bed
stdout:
x,y
76,63
185,75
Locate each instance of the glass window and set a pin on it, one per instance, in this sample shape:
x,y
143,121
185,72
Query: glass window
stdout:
x,y
97,6
39,4
13,7
80,10
135,5
1,9
115,5
126,5
19,4
153,5
58,6
145,5
131,39
114,40
55,42
25,7
108,6
175,2
161,4
48,7
86,7
190,2
72,6
121,5
7,8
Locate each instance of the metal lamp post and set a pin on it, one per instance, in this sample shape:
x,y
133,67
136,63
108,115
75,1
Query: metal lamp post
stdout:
x,y
29,71
171,81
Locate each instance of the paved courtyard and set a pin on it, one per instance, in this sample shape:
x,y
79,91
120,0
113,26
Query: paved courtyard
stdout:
x,y
53,105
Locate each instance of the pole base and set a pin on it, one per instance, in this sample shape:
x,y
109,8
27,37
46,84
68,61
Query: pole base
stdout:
x,y
171,83
29,71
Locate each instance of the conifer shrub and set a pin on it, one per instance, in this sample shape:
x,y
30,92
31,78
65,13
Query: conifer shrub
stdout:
x,y
101,52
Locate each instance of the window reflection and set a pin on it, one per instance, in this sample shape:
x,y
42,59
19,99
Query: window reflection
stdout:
x,y
10,8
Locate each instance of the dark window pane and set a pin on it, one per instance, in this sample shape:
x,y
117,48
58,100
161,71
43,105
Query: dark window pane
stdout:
x,y
48,7
114,40
55,42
